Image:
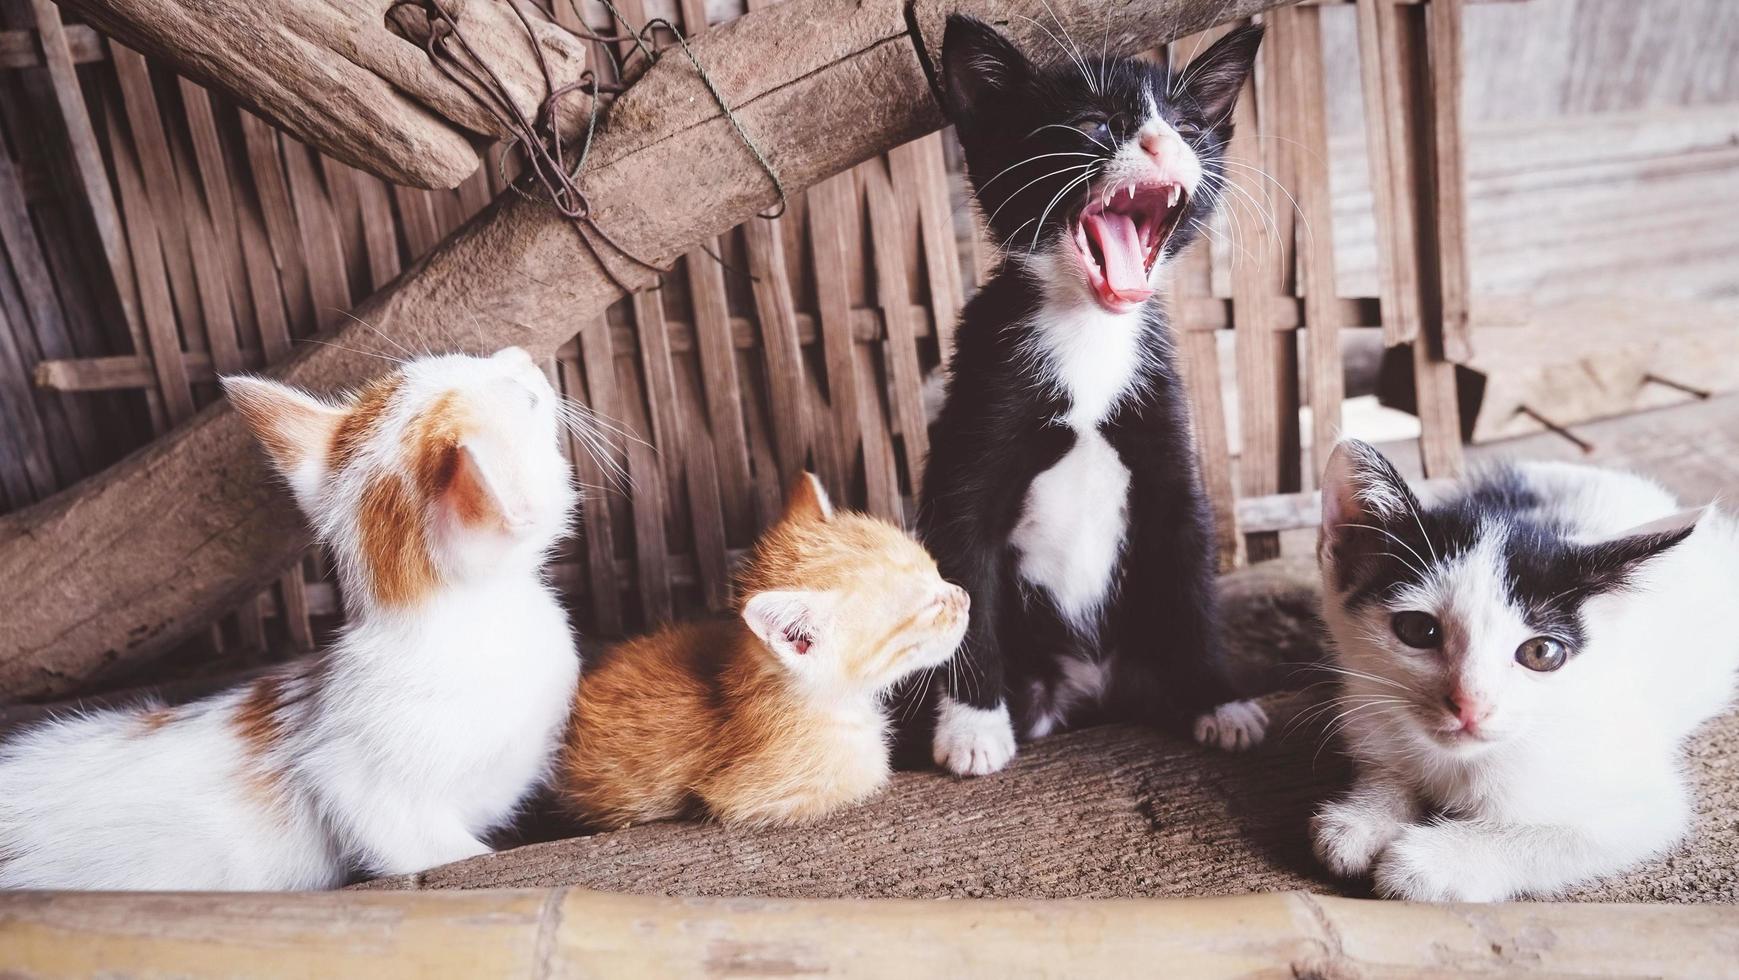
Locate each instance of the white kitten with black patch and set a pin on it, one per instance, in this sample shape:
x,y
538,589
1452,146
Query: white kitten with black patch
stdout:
x,y
1521,664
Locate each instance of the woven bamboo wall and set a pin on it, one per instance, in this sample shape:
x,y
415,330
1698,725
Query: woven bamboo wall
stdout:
x,y
130,196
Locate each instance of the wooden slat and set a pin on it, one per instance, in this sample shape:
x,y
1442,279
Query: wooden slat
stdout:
x,y
322,245
1389,159
1448,190
220,208
936,229
279,217
716,353
97,199
1297,37
162,343
829,203
162,190
774,309
904,376
417,216
596,530
69,430
1267,400
1433,375
380,238
614,395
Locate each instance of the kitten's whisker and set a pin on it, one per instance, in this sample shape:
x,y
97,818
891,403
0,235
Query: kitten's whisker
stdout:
x,y
381,334
350,350
1055,173
1084,178
1086,136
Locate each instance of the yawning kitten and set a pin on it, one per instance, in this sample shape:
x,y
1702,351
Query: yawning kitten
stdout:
x,y
1062,488
440,489
1520,666
774,716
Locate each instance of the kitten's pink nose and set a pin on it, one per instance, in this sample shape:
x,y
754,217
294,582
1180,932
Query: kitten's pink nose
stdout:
x,y
1469,709
1153,143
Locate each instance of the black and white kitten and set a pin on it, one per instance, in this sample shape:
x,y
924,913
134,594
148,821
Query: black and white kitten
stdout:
x,y
1062,489
1521,664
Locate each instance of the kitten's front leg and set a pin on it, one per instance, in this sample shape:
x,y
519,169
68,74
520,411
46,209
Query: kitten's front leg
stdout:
x,y
972,741
1487,861
1349,833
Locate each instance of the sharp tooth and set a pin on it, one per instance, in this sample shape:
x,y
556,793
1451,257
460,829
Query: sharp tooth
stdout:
x,y
1172,203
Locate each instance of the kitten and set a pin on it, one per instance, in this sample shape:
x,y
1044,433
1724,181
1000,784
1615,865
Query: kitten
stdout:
x,y
440,489
1521,664
1062,490
774,716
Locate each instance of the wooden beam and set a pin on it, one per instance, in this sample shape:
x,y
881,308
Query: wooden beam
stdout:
x,y
337,75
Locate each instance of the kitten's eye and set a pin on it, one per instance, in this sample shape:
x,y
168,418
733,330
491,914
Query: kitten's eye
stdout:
x,y
1095,128
1419,630
1542,653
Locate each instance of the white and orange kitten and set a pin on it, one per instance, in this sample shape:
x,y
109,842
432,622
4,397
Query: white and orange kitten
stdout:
x,y
1521,664
440,489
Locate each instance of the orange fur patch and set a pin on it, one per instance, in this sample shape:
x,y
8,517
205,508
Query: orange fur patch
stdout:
x,y
444,469
363,419
155,719
259,722
393,546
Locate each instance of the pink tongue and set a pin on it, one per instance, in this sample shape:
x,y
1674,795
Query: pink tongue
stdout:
x,y
1120,244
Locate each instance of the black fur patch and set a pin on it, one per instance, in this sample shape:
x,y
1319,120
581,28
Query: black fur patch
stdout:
x,y
1548,575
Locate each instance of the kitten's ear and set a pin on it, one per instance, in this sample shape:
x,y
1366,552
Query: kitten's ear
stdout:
x,y
1361,486
807,500
977,63
1214,80
1607,566
295,428
789,623
475,484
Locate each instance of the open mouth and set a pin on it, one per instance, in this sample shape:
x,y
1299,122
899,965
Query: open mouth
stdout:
x,y
1119,235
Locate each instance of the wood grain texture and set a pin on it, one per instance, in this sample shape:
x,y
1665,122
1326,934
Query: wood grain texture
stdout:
x,y
340,79
574,933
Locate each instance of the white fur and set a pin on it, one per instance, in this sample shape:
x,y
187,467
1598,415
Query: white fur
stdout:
x,y
1579,775
1072,527
972,741
1233,727
420,730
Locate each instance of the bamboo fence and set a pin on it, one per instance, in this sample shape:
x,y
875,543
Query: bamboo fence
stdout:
x,y
157,236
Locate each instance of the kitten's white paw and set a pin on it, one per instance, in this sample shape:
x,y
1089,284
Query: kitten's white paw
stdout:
x,y
1432,863
972,741
1348,836
1233,726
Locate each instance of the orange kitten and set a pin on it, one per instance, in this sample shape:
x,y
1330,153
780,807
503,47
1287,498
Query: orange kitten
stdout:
x,y
774,716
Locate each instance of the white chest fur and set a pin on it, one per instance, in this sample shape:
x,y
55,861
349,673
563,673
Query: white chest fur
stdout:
x,y
1073,522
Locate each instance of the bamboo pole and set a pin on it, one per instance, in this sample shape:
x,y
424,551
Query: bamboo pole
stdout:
x,y
557,933
127,564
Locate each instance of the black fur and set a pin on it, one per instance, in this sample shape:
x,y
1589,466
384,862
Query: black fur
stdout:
x,y
1000,426
1549,576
